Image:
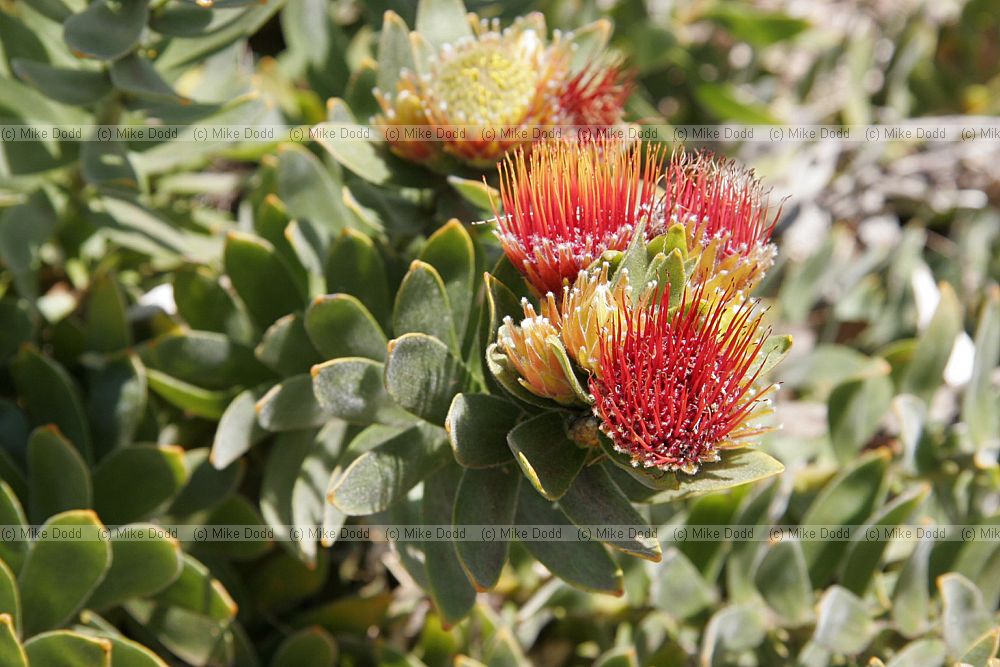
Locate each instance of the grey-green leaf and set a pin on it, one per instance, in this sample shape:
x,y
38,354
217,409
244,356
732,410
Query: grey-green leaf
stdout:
x,y
383,474
339,325
144,561
353,389
423,376
132,483
783,579
290,405
477,426
594,500
450,589
58,476
549,459
586,565
843,624
59,574
422,305
106,30
486,497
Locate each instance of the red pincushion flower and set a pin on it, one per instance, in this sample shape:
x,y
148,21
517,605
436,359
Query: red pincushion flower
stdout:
x,y
565,203
720,199
595,97
675,387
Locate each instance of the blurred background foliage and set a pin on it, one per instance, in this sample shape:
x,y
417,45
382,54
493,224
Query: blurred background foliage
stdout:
x,y
126,321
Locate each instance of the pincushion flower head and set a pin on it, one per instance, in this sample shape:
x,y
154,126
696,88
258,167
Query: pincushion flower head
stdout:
x,y
566,203
487,91
726,219
677,385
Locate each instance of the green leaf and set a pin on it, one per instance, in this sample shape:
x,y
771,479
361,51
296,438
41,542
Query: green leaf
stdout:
x,y
59,574
181,20
422,305
62,648
144,562
594,500
302,496
549,459
237,430
394,52
910,598
846,500
132,483
68,86
17,327
195,589
116,402
680,590
107,320
843,624
286,348
106,164
385,473
127,653
357,155
423,376
51,397
736,467
206,485
477,193
291,405
732,629
136,75
339,325
312,647
618,657
865,552
260,279
485,497
921,653
450,589
924,373
477,426
442,21
11,551
980,407
106,30
725,102
10,598
310,190
200,402
759,27
855,409
983,650
205,359
190,636
355,267
964,615
352,389
11,651
667,271
783,579
450,251
206,305
59,477
585,565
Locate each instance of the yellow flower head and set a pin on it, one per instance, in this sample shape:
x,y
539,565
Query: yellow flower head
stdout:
x,y
528,347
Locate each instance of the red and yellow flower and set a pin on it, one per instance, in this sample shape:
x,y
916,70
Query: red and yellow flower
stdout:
x,y
482,95
566,203
676,386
